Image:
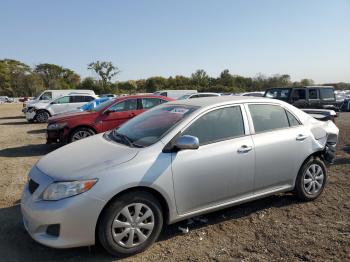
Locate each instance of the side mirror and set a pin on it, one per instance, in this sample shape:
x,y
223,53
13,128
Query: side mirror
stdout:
x,y
107,112
187,142
53,103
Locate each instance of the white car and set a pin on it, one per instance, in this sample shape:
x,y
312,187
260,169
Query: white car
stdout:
x,y
40,112
198,95
48,95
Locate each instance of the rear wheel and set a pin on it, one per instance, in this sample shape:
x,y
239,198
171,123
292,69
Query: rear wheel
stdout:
x,y
130,224
81,133
42,116
311,179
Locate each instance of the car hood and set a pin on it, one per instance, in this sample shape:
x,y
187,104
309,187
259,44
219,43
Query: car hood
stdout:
x,y
69,115
85,159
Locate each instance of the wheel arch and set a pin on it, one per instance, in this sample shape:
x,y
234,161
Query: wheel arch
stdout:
x,y
81,126
162,200
43,109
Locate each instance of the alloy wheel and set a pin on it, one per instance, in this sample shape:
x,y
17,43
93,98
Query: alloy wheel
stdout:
x,y
133,225
80,135
313,179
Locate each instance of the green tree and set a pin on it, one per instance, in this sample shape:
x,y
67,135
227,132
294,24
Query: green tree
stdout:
x,y
57,77
106,71
200,79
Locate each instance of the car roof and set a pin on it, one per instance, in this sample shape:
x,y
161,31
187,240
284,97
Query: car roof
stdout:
x,y
290,87
219,100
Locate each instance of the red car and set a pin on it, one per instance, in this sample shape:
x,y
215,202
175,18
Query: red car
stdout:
x,y
70,127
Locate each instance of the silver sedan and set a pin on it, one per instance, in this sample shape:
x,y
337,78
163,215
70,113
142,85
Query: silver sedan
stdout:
x,y
175,161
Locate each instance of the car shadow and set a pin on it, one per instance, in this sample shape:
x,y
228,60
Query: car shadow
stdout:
x,y
17,245
236,212
27,151
342,161
37,131
15,123
12,117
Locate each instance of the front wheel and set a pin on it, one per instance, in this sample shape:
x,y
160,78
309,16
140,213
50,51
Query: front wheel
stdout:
x,y
42,116
80,133
130,224
311,179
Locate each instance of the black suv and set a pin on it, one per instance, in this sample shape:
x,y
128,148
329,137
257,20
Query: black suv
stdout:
x,y
319,97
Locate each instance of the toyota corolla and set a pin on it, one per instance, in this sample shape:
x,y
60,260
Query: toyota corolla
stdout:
x,y
177,160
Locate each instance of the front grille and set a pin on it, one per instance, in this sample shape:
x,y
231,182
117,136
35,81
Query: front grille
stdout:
x,y
32,186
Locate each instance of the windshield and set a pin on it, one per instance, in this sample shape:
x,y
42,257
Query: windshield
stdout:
x,y
103,105
183,97
279,93
147,128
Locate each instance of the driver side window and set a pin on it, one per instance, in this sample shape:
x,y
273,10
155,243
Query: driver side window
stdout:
x,y
126,105
46,96
217,125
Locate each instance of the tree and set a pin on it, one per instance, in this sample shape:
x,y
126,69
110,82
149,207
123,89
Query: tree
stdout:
x,y
306,82
57,77
105,70
200,78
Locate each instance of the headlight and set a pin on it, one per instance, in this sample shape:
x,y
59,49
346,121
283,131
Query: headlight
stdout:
x,y
60,190
56,126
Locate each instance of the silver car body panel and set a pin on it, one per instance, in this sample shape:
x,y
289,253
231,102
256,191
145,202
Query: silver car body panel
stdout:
x,y
191,182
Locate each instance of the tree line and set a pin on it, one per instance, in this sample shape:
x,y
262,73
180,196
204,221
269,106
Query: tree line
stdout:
x,y
18,79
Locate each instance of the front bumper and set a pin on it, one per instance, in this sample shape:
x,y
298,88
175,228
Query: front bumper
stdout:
x,y
56,135
30,115
76,216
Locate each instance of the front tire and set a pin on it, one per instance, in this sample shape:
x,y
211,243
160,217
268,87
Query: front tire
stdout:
x,y
81,133
130,224
42,116
311,179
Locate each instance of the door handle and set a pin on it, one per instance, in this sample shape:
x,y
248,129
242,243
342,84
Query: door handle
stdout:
x,y
132,114
244,149
301,137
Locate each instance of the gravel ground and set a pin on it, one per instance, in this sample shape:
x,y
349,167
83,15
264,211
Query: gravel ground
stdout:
x,y
275,228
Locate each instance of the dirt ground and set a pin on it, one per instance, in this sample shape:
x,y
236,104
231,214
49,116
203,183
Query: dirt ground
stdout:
x,y
274,228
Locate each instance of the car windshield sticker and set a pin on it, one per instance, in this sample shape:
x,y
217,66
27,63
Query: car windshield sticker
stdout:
x,y
179,110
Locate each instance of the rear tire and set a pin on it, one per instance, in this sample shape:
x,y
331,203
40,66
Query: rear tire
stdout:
x,y
81,133
130,224
311,179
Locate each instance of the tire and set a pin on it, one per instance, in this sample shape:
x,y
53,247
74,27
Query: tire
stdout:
x,y
42,116
311,179
80,133
111,238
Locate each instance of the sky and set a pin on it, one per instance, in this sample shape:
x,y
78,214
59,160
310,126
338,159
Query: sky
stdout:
x,y
305,39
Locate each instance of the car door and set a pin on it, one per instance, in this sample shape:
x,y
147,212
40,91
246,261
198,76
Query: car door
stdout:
x,y
119,113
298,98
59,105
222,168
281,145
313,98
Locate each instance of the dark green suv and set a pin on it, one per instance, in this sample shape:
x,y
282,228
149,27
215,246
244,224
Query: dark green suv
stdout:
x,y
318,97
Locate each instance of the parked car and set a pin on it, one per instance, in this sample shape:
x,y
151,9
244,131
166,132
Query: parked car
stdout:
x,y
89,106
175,161
108,115
109,95
41,112
345,106
198,95
175,94
5,99
321,97
49,95
257,94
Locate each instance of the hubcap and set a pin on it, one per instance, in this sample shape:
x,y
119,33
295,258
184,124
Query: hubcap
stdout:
x,y
80,135
313,179
133,225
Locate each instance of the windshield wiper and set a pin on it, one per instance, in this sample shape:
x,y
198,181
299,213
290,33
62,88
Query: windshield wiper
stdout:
x,y
125,139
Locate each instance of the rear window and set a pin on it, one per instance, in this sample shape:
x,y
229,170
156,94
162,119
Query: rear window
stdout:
x,y
268,117
279,93
327,93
